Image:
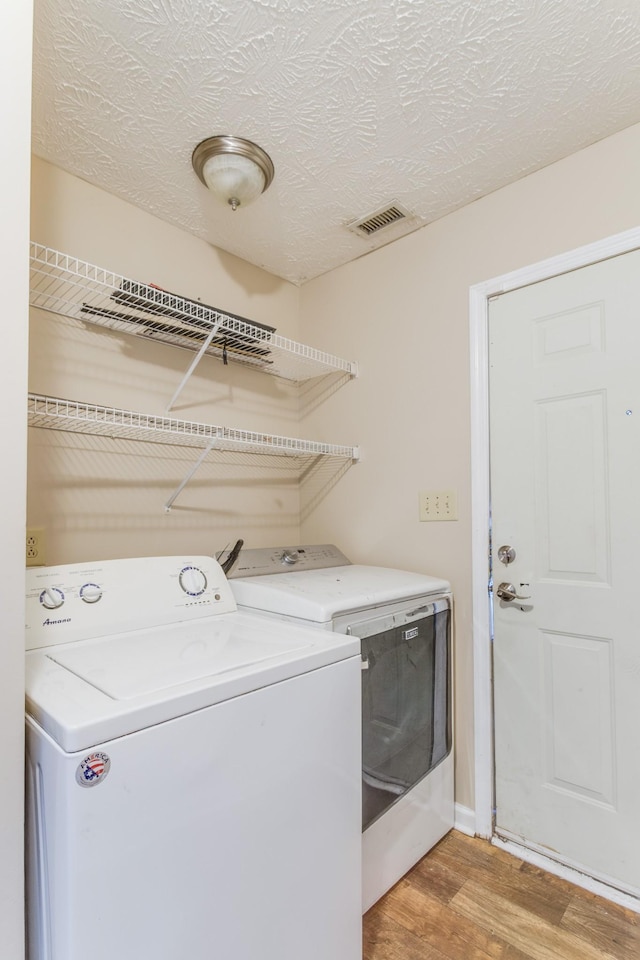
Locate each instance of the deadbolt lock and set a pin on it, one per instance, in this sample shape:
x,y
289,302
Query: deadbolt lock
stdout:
x,y
506,554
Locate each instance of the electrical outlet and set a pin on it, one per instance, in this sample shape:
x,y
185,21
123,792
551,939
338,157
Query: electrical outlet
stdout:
x,y
438,505
35,547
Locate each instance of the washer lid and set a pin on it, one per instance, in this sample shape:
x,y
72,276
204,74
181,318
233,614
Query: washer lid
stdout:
x,y
131,666
88,692
320,595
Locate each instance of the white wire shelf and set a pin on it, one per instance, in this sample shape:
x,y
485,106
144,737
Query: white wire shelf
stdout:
x,y
55,414
73,417
74,288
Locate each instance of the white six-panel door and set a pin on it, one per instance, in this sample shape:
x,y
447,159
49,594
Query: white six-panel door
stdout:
x,y
565,494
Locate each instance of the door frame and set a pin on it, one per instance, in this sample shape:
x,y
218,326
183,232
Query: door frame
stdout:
x,y
479,296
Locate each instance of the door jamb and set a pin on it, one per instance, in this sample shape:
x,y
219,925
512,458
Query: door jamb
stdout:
x,y
479,296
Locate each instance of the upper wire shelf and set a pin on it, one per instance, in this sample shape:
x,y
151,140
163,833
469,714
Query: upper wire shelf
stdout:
x,y
74,288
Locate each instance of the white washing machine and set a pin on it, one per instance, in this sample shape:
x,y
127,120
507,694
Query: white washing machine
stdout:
x,y
193,773
403,622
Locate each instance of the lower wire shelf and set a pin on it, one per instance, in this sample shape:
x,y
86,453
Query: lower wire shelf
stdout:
x,y
52,413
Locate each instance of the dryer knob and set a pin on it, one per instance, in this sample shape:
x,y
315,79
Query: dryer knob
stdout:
x,y
290,557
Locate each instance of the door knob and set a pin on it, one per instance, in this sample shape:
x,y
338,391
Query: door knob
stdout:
x,y
507,592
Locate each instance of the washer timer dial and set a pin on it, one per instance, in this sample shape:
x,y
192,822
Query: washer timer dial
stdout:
x,y
193,581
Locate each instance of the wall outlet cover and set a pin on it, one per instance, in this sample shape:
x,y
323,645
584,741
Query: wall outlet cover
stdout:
x,y
35,547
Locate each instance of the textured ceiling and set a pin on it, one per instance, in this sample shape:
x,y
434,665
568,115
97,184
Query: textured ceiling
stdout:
x,y
432,103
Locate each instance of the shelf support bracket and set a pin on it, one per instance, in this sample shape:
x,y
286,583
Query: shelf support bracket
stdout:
x,y
194,363
203,456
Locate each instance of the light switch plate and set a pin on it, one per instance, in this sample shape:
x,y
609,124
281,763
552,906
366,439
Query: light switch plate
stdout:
x,y
438,505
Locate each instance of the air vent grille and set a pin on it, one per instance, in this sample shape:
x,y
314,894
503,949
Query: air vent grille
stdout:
x,y
379,219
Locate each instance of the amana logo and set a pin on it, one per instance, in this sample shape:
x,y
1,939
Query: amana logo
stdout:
x,y
51,623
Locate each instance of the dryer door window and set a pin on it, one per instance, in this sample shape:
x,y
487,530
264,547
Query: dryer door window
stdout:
x,y
406,702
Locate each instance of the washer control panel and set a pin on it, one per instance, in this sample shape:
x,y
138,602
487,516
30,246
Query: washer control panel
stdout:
x,y
262,560
86,600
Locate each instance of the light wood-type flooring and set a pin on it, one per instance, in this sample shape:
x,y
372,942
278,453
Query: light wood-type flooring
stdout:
x,y
468,900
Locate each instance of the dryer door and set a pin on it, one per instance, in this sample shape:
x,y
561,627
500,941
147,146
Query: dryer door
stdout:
x,y
406,701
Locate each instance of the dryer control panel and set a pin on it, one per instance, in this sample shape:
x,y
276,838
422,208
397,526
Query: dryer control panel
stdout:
x,y
78,601
263,560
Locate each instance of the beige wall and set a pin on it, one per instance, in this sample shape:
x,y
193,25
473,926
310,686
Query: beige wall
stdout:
x,y
403,313
15,110
103,498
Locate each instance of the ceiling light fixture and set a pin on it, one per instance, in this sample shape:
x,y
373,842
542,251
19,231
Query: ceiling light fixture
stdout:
x,y
235,170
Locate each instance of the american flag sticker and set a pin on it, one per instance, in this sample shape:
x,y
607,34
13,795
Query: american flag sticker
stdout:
x,y
93,769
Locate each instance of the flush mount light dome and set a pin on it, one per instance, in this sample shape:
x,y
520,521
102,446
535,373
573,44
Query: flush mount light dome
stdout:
x,y
235,170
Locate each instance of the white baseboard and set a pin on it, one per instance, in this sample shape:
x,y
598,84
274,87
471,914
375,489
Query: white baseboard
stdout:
x,y
464,820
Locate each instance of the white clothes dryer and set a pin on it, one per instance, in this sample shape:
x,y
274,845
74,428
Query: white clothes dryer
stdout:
x,y
403,621
193,773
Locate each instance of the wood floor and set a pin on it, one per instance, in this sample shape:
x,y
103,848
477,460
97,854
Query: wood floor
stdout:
x,y
468,900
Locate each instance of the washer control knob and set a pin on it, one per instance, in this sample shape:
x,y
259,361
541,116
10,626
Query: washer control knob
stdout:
x,y
90,592
290,557
193,581
51,598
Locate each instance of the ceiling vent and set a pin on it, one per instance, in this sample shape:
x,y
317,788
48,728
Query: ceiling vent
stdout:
x,y
380,219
